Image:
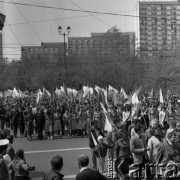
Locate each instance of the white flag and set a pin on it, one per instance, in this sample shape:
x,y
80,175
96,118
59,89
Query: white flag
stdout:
x,y
161,96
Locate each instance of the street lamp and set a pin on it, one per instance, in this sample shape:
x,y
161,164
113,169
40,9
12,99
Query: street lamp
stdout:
x,y
64,34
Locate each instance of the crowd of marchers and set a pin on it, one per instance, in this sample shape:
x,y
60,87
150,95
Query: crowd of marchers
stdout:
x,y
144,139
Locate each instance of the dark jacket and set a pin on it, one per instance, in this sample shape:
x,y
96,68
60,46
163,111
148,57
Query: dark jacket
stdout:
x,y
122,149
89,174
15,116
101,149
40,119
4,174
10,151
96,133
168,151
53,175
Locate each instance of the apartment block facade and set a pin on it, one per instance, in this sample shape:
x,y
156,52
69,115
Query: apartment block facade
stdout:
x,y
159,25
99,43
48,51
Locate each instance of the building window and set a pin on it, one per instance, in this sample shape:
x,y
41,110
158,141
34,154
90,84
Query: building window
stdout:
x,y
163,7
154,27
173,26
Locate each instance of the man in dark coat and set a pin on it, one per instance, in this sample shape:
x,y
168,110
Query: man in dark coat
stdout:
x,y
15,119
40,120
93,134
2,117
85,172
54,174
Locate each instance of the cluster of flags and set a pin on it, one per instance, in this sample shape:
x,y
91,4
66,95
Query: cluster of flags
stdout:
x,y
13,93
103,96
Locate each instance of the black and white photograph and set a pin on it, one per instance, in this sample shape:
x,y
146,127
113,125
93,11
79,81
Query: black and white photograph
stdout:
x,y
89,89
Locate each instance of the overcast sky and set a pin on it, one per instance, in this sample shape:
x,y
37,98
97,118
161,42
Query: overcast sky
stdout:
x,y
29,25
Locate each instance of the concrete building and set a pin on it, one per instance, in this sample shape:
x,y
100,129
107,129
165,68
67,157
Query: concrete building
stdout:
x,y
47,51
116,43
159,25
2,19
79,45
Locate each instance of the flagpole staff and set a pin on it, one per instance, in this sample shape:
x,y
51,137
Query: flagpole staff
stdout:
x,y
64,34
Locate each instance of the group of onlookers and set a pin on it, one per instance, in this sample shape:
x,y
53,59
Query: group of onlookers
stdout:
x,y
13,165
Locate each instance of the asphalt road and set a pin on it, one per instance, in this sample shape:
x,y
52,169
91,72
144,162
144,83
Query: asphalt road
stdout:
x,y
39,154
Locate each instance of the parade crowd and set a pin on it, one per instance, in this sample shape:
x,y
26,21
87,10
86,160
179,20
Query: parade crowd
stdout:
x,y
144,140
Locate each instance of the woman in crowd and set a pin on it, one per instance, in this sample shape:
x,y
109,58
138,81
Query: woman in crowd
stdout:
x,y
81,121
74,123
28,118
57,123
127,116
67,124
48,124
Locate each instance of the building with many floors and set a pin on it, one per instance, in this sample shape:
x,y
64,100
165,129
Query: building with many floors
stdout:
x,y
2,19
120,44
159,25
48,51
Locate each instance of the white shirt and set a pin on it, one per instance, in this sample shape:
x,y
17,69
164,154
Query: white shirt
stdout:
x,y
82,169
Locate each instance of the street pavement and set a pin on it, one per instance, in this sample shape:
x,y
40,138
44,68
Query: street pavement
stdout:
x,y
39,154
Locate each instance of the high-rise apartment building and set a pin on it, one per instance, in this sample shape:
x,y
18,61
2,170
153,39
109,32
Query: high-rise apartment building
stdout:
x,y
79,45
2,19
120,44
159,23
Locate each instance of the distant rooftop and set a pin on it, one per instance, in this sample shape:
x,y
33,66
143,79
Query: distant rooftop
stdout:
x,y
52,44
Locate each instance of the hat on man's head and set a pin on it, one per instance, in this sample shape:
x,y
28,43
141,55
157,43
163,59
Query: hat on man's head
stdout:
x,y
4,142
100,137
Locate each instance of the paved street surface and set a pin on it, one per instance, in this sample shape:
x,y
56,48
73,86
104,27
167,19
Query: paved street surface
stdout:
x,y
39,154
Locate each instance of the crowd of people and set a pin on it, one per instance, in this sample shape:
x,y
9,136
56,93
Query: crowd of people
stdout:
x,y
13,165
143,137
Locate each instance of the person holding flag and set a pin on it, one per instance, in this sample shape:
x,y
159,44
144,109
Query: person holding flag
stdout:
x,y
93,135
101,152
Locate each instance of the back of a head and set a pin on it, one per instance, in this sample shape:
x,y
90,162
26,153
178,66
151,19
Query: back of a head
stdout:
x,y
10,138
57,162
3,134
19,154
138,128
83,160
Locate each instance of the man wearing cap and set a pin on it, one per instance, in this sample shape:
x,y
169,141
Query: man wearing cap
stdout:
x,y
4,174
93,134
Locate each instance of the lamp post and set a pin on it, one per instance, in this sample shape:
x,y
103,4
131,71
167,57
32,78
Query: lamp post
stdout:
x,y
64,34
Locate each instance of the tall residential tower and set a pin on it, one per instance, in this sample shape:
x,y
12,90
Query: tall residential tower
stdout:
x,y
159,23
